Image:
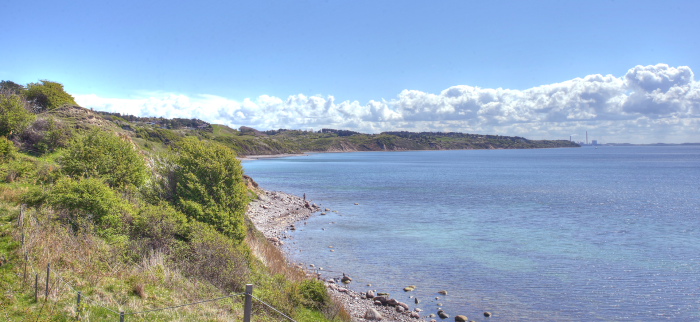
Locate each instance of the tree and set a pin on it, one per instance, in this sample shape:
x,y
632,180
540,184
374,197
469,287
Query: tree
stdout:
x,y
14,116
209,186
105,155
10,87
48,95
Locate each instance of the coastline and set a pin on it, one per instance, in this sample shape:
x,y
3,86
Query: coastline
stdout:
x,y
277,213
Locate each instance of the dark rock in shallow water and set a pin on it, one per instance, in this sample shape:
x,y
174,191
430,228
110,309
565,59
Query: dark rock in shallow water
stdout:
x,y
487,314
461,318
442,314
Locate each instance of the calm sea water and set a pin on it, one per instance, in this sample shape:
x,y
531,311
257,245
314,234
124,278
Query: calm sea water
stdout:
x,y
611,233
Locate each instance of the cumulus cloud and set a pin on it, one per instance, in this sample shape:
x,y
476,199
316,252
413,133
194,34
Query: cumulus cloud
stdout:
x,y
648,104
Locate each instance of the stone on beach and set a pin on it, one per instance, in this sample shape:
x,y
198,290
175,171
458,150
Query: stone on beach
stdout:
x,y
487,314
442,314
443,292
461,318
373,315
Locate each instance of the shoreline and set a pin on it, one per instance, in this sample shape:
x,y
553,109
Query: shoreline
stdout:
x,y
276,213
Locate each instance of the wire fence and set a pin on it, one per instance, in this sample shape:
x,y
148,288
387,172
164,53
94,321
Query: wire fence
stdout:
x,y
82,300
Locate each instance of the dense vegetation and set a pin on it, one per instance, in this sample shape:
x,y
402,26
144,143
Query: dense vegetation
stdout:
x,y
136,214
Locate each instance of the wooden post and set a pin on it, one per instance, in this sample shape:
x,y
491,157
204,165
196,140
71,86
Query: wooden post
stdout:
x,y
20,220
24,276
79,309
36,288
248,310
121,316
48,272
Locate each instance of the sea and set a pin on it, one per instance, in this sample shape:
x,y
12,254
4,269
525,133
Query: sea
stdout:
x,y
606,233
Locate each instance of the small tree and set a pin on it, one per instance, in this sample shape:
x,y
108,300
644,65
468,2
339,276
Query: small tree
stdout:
x,y
14,116
209,186
48,95
10,87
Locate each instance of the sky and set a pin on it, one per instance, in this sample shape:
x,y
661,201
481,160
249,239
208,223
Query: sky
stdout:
x,y
621,70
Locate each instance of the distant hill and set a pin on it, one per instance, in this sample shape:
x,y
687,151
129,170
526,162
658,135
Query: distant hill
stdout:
x,y
249,141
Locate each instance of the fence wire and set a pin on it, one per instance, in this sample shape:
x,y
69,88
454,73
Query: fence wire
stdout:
x,y
60,279
270,306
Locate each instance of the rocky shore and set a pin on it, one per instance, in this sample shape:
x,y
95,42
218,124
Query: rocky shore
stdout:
x,y
275,214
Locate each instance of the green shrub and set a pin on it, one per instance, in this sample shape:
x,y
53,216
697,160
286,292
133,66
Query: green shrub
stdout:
x,y
83,202
158,227
314,295
14,116
7,149
48,95
211,256
209,186
99,154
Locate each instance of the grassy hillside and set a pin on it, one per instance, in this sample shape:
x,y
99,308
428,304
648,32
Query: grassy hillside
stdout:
x,y
136,217
249,141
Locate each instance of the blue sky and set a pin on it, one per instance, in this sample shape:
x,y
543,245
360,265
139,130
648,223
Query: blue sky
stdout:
x,y
524,68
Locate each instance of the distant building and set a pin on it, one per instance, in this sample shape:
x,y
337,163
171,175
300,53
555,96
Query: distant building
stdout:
x,y
594,142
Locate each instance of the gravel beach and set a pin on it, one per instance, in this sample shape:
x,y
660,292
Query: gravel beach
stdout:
x,y
275,214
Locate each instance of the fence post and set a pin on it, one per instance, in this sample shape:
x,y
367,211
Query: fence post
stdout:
x,y
36,287
248,310
121,316
79,309
48,272
24,276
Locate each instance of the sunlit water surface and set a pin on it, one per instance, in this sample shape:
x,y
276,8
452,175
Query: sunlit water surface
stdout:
x,y
543,235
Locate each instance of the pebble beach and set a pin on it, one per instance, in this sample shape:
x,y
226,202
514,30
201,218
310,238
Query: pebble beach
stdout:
x,y
276,213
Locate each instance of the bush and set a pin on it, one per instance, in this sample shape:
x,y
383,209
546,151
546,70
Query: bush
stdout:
x,y
213,257
86,201
209,186
48,95
46,135
314,295
158,227
14,116
100,154
7,150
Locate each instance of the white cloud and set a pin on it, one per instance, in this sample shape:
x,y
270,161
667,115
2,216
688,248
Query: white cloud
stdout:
x,y
648,104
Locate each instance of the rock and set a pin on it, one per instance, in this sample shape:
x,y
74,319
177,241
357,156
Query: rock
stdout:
x,y
439,304
356,204
443,292
418,309
461,318
330,280
383,294
392,302
416,300
400,309
323,214
346,279
409,288
487,314
381,299
373,315
404,306
442,314
414,315
370,294
327,209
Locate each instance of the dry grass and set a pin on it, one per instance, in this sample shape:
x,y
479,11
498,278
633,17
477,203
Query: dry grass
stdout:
x,y
86,263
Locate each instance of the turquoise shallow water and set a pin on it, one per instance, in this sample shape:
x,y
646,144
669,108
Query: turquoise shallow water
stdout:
x,y
555,235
